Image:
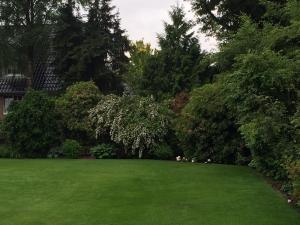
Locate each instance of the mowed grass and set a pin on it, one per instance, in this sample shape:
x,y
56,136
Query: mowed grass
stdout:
x,y
125,192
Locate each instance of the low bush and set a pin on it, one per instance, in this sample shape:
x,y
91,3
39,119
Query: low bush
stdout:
x,y
294,171
6,152
205,128
136,123
163,151
71,149
32,125
104,151
74,106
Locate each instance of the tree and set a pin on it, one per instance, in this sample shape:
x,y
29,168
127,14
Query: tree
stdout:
x,y
172,69
74,108
206,129
26,26
32,126
105,46
139,55
68,37
219,17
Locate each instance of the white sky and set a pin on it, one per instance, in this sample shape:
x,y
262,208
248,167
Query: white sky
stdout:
x,y
143,19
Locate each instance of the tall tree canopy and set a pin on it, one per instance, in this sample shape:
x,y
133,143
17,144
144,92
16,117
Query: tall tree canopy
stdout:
x,y
219,16
105,46
69,35
172,69
25,23
92,50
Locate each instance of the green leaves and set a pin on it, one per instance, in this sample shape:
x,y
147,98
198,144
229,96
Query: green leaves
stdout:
x,y
32,125
135,122
74,106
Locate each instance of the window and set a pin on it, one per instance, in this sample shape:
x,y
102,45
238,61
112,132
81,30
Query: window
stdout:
x,y
7,102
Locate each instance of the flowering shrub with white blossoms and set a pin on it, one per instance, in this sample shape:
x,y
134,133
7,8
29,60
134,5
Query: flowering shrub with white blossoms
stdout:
x,y
138,123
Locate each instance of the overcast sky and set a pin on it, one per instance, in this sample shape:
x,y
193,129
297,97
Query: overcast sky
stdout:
x,y
143,19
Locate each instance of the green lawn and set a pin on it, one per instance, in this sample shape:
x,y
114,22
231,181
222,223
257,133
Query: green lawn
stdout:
x,y
87,192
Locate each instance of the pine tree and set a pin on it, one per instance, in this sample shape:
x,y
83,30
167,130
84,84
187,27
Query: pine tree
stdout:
x,y
105,46
173,69
68,38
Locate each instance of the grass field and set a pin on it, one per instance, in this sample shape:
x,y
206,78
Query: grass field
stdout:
x,y
87,192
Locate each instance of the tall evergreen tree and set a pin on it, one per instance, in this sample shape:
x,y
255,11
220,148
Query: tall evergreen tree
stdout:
x,y
173,68
68,37
105,46
219,17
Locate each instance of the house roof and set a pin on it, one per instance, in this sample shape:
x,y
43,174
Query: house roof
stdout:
x,y
13,85
44,79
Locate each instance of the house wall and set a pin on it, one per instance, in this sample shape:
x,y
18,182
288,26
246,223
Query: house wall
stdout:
x,y
1,107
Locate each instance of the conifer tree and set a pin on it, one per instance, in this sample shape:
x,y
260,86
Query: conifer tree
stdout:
x,y
68,38
105,46
173,69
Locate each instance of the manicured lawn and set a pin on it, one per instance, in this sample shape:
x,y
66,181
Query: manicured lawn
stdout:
x,y
83,192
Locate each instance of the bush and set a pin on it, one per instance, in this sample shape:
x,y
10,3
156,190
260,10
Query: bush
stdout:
x,y
294,171
163,151
262,95
6,152
135,122
71,149
32,126
104,151
74,106
206,130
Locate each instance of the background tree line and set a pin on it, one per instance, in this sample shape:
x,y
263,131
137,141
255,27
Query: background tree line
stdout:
x,y
92,49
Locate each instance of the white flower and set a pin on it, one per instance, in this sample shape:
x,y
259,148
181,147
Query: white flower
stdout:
x,y
178,158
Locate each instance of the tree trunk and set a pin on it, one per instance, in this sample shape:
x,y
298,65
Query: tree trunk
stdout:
x,y
140,153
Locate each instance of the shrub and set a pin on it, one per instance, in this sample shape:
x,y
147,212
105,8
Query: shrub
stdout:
x,y
205,128
262,95
74,106
135,122
163,151
71,149
32,126
104,151
294,171
6,152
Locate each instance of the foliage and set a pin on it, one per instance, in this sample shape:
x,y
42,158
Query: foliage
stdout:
x,y
103,52
104,151
135,122
68,37
91,50
221,17
261,93
294,171
173,68
206,129
25,24
179,102
74,108
71,149
139,55
32,126
6,152
163,151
